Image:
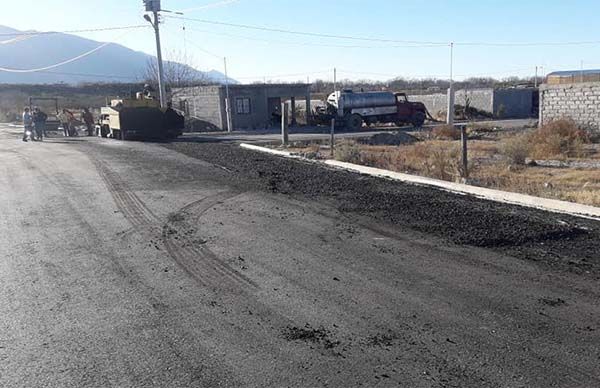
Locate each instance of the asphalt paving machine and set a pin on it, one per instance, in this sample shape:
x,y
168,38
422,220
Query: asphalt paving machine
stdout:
x,y
139,118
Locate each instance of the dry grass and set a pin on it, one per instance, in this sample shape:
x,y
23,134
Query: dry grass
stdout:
x,y
516,149
581,186
497,163
348,152
558,139
445,132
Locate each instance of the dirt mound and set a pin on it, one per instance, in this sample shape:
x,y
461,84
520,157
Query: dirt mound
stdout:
x,y
391,139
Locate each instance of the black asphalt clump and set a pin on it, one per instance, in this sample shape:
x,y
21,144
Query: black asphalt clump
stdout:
x,y
392,139
558,240
310,334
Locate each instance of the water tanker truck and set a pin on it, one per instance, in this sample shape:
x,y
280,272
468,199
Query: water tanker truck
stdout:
x,y
351,109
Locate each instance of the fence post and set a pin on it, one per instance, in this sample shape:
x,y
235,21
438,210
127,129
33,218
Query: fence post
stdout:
x,y
284,124
465,157
450,108
332,139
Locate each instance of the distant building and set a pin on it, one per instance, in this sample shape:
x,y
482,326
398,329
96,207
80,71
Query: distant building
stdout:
x,y
573,95
572,76
256,106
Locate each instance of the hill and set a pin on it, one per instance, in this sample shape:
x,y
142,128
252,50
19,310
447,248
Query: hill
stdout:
x,y
113,63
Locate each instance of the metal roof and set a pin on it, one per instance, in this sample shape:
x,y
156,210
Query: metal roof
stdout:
x,y
570,73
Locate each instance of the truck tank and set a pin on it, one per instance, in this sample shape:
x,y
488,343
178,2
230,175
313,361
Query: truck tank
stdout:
x,y
352,100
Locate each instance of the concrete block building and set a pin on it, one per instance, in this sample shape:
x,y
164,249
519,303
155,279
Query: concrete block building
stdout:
x,y
579,101
500,103
255,106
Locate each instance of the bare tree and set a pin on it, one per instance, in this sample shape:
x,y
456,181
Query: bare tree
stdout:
x,y
178,73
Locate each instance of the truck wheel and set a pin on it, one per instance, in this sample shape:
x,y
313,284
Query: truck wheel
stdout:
x,y
104,131
418,119
354,122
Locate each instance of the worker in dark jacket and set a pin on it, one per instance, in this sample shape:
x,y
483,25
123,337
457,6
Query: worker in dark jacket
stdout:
x,y
88,119
39,123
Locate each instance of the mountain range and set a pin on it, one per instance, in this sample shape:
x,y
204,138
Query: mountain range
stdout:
x,y
113,63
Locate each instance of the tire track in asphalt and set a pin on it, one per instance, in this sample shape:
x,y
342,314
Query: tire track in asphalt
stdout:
x,y
128,202
199,262
188,251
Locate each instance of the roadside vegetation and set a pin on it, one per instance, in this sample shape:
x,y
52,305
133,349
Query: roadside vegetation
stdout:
x,y
559,160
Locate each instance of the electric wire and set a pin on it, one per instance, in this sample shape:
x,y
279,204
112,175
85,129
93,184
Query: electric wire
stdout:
x,y
210,5
101,29
312,44
50,67
386,40
305,33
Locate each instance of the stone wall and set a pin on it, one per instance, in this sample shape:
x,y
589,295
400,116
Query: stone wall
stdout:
x,y
577,101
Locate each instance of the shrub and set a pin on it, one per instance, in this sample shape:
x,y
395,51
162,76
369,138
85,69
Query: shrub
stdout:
x,y
558,138
446,132
516,149
348,152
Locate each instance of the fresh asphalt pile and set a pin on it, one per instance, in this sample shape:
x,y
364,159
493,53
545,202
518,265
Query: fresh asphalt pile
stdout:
x,y
556,240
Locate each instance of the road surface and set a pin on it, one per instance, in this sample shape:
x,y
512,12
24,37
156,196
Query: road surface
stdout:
x,y
203,265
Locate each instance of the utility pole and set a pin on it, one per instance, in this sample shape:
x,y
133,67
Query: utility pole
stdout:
x,y
334,80
535,81
154,7
450,114
227,101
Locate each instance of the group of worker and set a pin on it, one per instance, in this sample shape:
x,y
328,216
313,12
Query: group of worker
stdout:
x,y
35,123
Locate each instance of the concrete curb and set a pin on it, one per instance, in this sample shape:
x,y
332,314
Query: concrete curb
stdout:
x,y
552,205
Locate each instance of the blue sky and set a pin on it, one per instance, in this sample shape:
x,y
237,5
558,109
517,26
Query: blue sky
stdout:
x,y
256,55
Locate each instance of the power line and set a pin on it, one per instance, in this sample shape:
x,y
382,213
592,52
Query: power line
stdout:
x,y
387,40
306,33
50,67
9,70
529,44
107,76
285,75
311,44
211,5
36,33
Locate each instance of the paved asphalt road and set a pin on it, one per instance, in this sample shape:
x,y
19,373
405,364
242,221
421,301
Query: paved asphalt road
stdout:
x,y
133,265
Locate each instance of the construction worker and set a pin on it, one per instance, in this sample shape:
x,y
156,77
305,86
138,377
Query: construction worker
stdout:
x,y
149,92
65,121
39,123
27,123
88,119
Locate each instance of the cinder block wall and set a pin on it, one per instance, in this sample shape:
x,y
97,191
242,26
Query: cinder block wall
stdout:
x,y
482,99
577,101
502,103
204,103
435,103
